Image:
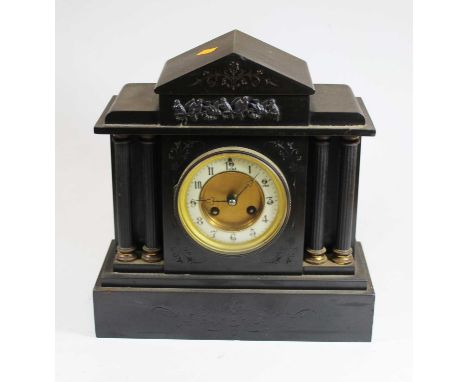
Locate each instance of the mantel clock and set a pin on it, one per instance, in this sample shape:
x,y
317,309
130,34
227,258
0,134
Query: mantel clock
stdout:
x,y
235,183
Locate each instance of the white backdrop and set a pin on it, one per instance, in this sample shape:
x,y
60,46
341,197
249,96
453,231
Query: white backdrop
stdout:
x,y
101,45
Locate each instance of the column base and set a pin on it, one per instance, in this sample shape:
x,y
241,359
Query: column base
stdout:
x,y
125,254
316,256
343,256
151,255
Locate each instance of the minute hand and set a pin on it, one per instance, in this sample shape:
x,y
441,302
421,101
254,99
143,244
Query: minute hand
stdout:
x,y
249,183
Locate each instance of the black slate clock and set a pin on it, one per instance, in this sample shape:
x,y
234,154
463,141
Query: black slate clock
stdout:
x,y
235,184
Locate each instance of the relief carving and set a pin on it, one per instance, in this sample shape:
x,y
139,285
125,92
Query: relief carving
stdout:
x,y
183,255
181,151
284,255
239,108
233,78
288,152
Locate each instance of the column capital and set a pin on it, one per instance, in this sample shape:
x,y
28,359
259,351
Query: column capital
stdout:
x,y
351,139
147,138
321,138
120,138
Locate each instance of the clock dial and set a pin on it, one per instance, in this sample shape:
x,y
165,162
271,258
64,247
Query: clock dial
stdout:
x,y
233,200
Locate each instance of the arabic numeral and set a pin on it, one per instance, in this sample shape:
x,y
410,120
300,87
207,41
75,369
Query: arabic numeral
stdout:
x,y
199,220
252,233
233,237
250,169
230,165
265,182
193,203
213,233
198,184
210,170
265,219
270,200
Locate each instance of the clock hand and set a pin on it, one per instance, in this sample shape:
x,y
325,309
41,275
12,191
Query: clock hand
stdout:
x,y
232,198
211,200
249,183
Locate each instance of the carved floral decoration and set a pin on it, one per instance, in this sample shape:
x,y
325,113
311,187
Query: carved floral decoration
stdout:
x,y
181,151
234,77
288,152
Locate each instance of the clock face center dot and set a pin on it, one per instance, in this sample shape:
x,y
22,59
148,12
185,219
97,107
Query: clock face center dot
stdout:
x,y
232,200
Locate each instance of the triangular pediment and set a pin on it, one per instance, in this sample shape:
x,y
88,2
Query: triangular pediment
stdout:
x,y
235,63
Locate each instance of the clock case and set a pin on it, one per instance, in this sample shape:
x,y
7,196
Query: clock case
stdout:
x,y
284,255
269,294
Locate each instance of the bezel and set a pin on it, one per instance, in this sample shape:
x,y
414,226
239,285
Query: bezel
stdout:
x,y
267,237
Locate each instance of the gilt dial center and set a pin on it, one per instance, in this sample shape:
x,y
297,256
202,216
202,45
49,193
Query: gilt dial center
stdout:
x,y
225,197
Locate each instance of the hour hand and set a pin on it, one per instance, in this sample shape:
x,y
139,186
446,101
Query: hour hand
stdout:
x,y
211,200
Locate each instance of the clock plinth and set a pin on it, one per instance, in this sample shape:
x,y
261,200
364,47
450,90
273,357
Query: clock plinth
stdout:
x,y
255,307
235,184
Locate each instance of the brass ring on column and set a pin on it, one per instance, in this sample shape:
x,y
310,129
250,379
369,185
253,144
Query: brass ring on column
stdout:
x,y
316,256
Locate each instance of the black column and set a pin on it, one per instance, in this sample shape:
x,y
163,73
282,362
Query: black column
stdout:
x,y
348,171
152,247
315,251
125,249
